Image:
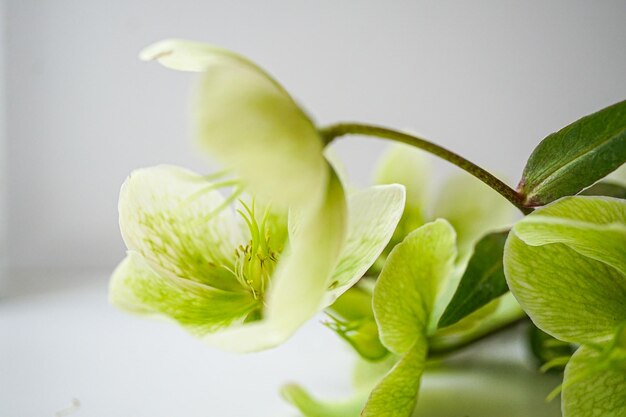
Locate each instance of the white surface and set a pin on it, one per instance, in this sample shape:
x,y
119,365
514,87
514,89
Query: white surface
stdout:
x,y
68,344
488,79
65,344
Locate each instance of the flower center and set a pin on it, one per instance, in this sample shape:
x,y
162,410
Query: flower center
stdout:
x,y
255,262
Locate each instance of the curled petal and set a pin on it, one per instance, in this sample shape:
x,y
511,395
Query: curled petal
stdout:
x,y
249,123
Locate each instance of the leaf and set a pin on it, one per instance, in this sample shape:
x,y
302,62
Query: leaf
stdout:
x,y
606,188
590,389
495,315
564,263
482,281
405,294
575,157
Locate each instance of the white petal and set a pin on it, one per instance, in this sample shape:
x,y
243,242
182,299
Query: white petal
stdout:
x,y
177,220
373,215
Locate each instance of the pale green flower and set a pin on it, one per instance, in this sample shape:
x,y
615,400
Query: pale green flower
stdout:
x,y
566,265
245,283
245,288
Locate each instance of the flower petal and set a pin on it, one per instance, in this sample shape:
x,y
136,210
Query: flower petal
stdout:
x,y
588,392
409,166
404,298
473,209
178,220
570,288
300,281
396,394
137,288
409,285
372,218
249,123
184,55
595,227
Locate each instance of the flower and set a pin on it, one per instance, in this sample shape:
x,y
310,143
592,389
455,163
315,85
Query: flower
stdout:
x,y
471,207
189,259
246,284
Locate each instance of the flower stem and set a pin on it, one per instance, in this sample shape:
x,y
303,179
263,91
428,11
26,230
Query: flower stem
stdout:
x,y
329,133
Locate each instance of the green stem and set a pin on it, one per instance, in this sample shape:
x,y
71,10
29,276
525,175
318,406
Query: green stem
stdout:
x,y
329,133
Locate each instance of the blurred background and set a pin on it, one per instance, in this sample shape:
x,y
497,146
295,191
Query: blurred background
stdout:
x,y
79,111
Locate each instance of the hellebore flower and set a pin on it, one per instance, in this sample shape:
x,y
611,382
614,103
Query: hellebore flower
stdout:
x,y
242,285
249,288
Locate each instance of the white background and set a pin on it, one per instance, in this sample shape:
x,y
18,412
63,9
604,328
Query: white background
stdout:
x,y
487,79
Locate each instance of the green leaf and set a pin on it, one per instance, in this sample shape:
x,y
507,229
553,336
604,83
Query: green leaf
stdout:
x,y
405,295
495,315
591,388
606,188
565,265
482,281
575,157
